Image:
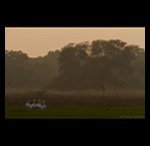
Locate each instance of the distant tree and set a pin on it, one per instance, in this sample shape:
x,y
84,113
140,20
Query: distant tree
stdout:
x,y
97,65
22,71
112,59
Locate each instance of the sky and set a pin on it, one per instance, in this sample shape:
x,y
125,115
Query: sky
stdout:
x,y
39,41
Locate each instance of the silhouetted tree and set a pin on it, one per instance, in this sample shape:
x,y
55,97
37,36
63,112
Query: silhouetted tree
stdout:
x,y
22,71
96,65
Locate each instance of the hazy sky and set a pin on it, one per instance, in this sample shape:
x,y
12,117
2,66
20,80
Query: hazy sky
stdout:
x,y
38,41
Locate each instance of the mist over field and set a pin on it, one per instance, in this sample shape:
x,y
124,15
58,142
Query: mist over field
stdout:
x,y
97,79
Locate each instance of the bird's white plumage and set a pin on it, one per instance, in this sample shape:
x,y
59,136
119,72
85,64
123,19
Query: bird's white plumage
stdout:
x,y
27,105
43,106
38,105
33,106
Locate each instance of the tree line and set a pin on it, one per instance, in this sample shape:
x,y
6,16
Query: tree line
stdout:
x,y
22,71
100,65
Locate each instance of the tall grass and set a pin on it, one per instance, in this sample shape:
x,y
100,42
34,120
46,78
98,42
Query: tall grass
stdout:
x,y
78,98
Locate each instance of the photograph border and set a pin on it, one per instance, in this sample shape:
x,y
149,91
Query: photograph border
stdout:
x,y
110,122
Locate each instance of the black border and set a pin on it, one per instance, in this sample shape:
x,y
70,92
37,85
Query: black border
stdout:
x,y
2,72
147,73
75,122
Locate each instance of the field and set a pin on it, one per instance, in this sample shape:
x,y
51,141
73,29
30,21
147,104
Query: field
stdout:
x,y
80,112
78,105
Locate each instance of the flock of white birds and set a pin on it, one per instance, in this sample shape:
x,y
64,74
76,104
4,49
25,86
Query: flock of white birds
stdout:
x,y
39,105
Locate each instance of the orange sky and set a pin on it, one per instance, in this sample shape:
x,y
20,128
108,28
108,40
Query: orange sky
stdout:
x,y
38,41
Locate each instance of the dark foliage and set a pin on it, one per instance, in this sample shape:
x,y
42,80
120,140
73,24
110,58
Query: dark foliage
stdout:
x,y
100,65
22,71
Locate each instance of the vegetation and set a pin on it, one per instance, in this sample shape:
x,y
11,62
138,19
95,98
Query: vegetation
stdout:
x,y
80,112
89,104
22,71
100,65
78,98
104,79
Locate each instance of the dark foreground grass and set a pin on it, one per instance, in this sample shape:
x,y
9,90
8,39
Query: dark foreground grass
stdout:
x,y
76,112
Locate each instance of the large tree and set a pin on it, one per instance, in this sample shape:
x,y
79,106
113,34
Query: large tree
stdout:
x,y
97,65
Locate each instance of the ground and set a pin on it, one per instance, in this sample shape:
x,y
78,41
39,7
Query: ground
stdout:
x,y
76,112
116,104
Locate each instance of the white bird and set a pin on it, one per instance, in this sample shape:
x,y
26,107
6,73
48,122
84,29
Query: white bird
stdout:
x,y
33,105
43,105
28,105
38,105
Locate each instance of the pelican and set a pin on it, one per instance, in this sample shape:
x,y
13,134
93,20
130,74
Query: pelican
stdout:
x,y
38,105
43,105
33,105
28,105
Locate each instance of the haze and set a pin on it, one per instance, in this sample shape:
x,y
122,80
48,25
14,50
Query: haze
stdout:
x,y
39,41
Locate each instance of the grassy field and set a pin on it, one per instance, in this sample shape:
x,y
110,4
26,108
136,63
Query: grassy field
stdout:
x,y
105,112
78,98
78,105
